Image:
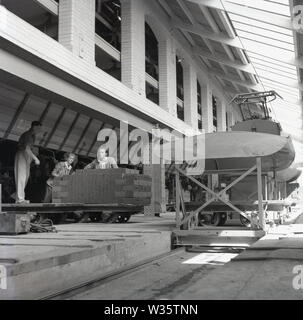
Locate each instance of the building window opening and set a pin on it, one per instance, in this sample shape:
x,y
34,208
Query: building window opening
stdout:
x,y
180,89
107,63
36,15
108,37
151,65
215,127
108,22
199,109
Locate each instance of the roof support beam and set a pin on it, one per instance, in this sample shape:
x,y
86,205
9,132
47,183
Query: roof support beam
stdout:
x,y
200,30
16,115
231,32
221,59
166,8
226,48
45,111
234,80
69,131
55,127
186,11
41,119
82,134
248,45
94,140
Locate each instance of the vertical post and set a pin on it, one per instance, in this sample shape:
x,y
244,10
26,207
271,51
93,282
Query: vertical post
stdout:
x,y
77,27
266,187
167,76
133,45
207,108
190,96
178,218
221,115
260,196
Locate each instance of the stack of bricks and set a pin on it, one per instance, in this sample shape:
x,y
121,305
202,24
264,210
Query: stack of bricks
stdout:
x,y
107,186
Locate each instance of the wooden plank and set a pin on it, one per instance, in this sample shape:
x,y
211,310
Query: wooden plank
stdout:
x,y
285,254
69,207
214,241
295,243
220,233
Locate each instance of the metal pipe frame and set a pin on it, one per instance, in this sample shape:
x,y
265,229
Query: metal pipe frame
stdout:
x,y
187,218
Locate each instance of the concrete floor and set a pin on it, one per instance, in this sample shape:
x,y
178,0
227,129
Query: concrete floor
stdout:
x,y
162,279
264,271
41,264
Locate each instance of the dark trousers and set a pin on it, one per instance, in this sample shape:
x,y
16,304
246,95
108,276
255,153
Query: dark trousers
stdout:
x,y
48,194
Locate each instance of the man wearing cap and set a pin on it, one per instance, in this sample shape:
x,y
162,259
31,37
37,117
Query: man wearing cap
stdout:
x,y
23,160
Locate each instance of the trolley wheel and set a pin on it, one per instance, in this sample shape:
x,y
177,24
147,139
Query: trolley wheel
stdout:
x,y
95,216
113,218
39,217
123,217
245,222
215,219
222,216
78,216
57,218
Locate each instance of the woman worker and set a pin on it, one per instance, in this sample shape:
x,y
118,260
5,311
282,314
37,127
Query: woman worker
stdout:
x,y
102,161
61,169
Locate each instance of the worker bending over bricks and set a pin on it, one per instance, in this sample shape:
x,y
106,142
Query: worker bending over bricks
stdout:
x,y
63,168
23,160
102,161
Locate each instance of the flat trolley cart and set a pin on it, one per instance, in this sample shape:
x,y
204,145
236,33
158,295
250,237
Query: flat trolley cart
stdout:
x,y
59,211
238,154
279,206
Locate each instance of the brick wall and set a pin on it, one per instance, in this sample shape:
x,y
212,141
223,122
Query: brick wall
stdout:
x,y
167,76
190,96
207,110
221,115
77,27
133,45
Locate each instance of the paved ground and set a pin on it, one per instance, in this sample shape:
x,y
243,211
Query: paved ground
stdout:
x,y
41,264
264,271
161,279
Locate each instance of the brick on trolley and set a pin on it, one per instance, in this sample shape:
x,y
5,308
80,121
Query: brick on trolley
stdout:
x,y
106,186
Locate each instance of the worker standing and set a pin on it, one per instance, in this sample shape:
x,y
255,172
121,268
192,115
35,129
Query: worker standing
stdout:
x,y
62,168
23,160
102,161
